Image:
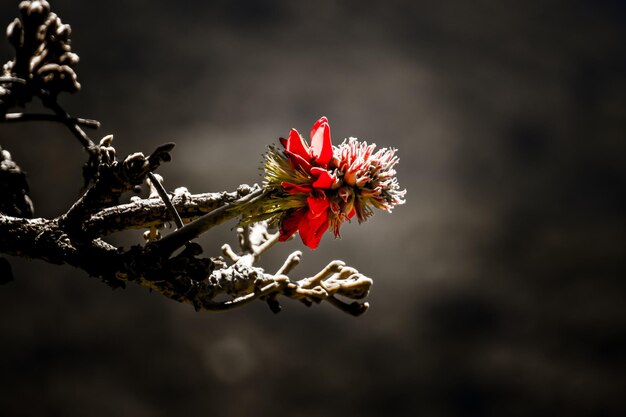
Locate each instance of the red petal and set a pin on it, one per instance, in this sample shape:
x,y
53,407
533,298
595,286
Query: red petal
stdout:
x,y
312,229
317,124
289,223
324,179
318,206
298,162
296,145
321,146
296,189
283,142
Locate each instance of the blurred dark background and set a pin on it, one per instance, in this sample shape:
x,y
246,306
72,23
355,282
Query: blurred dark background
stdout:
x,y
498,286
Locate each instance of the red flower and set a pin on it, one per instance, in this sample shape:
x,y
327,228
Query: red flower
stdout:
x,y
321,186
312,220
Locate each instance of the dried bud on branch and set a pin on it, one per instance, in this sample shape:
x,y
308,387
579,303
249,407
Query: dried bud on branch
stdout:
x,y
43,56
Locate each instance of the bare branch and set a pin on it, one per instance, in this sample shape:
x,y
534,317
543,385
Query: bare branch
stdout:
x,y
34,117
146,213
184,277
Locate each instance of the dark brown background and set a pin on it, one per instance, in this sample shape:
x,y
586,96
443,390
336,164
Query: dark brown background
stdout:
x,y
498,286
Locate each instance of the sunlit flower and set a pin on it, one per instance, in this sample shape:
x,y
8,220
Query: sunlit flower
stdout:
x,y
320,186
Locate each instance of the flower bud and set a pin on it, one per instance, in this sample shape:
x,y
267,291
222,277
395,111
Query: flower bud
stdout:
x,y
106,141
69,58
58,78
34,12
63,32
24,6
15,33
37,8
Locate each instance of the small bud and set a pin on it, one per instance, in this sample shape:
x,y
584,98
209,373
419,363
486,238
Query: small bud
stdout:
x,y
15,33
106,141
38,8
135,163
63,32
69,58
58,78
34,12
24,6
107,152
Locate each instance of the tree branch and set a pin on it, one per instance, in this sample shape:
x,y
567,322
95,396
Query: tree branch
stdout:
x,y
187,277
34,117
149,212
43,68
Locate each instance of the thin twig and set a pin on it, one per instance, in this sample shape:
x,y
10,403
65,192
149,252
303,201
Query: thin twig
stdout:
x,y
29,117
290,263
271,241
331,268
80,134
166,200
14,80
